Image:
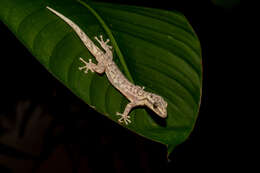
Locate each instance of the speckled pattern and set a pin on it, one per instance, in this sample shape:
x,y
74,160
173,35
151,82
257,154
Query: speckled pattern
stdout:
x,y
134,93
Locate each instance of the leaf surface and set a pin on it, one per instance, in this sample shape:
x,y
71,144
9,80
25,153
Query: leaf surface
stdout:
x,y
154,48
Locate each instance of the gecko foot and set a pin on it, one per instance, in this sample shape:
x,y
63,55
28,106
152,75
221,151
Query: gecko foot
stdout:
x,y
124,118
103,44
87,66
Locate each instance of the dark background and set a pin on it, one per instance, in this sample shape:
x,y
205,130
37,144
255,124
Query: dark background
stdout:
x,y
45,128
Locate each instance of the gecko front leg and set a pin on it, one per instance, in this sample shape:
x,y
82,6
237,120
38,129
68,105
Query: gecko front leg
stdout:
x,y
104,45
99,68
124,116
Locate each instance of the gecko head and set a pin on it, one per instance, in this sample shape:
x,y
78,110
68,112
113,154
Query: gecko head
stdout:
x,y
157,104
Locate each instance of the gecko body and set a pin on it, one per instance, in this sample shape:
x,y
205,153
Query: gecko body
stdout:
x,y
134,93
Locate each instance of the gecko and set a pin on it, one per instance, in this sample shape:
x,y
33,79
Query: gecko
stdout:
x,y
105,64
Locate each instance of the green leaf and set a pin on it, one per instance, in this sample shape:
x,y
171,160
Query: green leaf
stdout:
x,y
154,48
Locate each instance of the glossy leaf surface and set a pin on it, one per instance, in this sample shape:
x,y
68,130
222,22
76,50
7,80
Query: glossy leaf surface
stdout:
x,y
154,48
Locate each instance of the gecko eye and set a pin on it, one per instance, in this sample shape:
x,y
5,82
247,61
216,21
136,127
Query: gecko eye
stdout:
x,y
155,105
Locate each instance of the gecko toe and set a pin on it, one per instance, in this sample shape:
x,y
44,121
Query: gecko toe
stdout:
x,y
120,120
124,118
101,38
117,113
128,120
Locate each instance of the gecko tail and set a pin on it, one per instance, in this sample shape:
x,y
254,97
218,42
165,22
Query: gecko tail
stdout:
x,y
55,12
81,34
49,8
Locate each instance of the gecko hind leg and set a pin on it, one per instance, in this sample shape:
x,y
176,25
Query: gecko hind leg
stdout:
x,y
124,116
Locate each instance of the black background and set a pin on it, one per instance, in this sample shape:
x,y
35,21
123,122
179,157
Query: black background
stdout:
x,y
69,136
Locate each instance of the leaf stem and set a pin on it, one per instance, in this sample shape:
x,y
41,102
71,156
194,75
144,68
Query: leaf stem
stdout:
x,y
111,37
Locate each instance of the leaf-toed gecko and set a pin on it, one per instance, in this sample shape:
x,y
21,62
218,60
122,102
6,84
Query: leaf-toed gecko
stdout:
x,y
134,93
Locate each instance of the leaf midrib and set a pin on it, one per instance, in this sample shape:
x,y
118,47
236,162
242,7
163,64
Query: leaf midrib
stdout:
x,y
113,41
